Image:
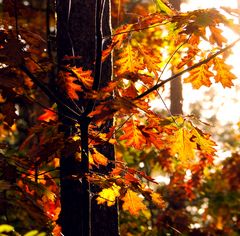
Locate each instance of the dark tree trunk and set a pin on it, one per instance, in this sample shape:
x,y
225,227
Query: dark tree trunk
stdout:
x,y
176,96
76,36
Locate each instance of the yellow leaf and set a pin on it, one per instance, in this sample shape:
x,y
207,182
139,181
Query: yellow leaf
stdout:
x,y
109,195
224,74
129,61
157,200
200,76
152,61
187,139
163,6
132,203
76,137
203,141
4,228
182,144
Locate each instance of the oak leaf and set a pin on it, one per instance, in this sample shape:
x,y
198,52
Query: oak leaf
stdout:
x,y
71,87
117,40
216,36
224,75
163,6
200,76
152,61
152,136
132,202
182,144
130,91
133,135
84,76
129,61
109,195
203,141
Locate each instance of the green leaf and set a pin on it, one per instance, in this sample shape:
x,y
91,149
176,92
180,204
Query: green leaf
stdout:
x,y
6,228
162,6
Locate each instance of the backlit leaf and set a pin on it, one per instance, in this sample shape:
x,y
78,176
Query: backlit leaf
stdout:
x,y
71,87
152,61
224,74
129,61
133,203
157,200
133,135
203,141
199,76
182,144
84,76
109,195
163,6
48,115
216,36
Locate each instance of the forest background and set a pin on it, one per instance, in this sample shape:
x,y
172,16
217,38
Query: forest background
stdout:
x,y
170,176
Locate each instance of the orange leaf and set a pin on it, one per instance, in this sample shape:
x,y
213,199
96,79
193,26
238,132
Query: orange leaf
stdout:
x,y
98,158
199,76
84,76
151,60
203,141
130,91
224,75
132,203
129,61
153,137
216,36
121,34
71,87
157,200
47,115
129,178
133,135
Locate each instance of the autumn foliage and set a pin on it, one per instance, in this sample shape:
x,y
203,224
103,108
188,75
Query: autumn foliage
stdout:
x,y
146,139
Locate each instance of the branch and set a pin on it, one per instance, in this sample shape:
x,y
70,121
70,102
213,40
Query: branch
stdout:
x,y
157,86
46,90
99,37
135,30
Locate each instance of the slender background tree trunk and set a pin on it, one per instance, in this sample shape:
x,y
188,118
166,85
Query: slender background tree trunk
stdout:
x,y
76,36
176,96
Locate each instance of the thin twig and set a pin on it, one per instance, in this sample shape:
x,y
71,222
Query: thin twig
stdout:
x,y
46,90
155,87
135,30
170,58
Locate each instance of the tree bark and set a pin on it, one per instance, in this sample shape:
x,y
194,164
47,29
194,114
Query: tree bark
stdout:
x,y
176,96
76,36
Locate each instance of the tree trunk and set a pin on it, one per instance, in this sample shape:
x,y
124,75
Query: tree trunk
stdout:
x,y
77,28
176,96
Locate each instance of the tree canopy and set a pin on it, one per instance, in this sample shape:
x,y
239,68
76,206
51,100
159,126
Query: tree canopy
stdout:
x,y
37,93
